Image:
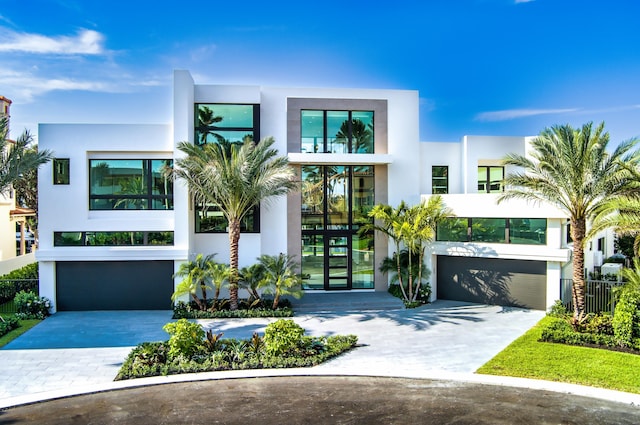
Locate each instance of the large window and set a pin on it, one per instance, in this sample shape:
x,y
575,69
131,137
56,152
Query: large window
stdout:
x,y
232,123
335,202
526,231
337,131
130,184
439,179
490,179
112,238
210,219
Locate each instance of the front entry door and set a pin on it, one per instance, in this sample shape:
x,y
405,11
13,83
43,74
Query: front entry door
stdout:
x,y
337,262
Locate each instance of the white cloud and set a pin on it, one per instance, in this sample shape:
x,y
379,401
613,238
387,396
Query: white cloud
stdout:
x,y
523,1
24,86
510,114
86,42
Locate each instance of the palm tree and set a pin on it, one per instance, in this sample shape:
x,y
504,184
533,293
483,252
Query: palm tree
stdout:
x,y
197,277
16,159
572,170
418,229
386,222
621,214
250,278
237,178
206,118
279,277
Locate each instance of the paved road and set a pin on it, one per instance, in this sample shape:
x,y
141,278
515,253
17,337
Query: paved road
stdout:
x,y
324,400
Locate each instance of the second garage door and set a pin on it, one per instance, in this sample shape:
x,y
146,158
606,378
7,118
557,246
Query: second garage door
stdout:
x,y
114,285
518,283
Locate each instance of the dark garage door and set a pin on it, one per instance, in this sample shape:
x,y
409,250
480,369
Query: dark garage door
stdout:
x,y
114,285
518,283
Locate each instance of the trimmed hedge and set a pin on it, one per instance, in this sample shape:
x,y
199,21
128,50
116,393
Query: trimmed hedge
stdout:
x,y
21,279
560,331
183,310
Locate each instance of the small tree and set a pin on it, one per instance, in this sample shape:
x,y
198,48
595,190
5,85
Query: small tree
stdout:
x,y
279,277
197,278
250,278
412,228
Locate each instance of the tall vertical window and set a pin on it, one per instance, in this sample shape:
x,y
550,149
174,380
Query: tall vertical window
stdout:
x,y
61,171
439,179
130,184
223,122
336,200
490,179
337,131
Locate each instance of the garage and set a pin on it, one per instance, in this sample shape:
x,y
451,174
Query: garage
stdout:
x,y
114,285
517,283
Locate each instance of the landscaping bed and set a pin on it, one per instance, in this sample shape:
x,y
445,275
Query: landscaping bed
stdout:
x,y
190,349
220,309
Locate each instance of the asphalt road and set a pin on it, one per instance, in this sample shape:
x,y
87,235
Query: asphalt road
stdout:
x,y
324,400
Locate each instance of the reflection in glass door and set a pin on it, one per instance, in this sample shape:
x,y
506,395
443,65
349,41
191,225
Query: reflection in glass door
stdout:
x,y
338,264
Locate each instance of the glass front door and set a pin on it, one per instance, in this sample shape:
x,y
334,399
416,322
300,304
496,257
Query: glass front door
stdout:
x,y
335,204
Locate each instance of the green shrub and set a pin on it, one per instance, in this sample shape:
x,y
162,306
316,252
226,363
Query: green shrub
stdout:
x,y
560,331
18,280
282,336
182,310
9,324
30,271
601,323
186,338
626,318
152,359
558,310
31,306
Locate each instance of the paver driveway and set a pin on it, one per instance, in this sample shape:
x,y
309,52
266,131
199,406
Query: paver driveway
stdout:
x,y
79,350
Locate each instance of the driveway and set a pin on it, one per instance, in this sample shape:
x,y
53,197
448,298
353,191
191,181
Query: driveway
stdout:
x,y
73,352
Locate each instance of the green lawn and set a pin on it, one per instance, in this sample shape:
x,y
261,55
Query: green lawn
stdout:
x,y
528,358
25,325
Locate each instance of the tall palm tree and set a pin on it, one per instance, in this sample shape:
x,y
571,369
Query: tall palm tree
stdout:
x,y
573,170
16,159
237,178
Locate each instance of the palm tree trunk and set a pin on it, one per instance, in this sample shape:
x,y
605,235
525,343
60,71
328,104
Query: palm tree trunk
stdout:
x,y
400,282
420,257
234,237
578,231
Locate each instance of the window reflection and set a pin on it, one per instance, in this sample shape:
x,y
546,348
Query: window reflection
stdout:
x,y
337,131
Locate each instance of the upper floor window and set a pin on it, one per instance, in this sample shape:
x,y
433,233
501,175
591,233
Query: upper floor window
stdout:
x,y
233,123
130,184
439,179
523,231
210,219
337,131
490,179
61,171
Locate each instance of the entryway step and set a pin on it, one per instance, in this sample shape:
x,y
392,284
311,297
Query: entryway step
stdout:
x,y
328,302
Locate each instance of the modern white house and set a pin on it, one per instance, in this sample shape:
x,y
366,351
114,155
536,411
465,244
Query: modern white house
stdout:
x,y
113,230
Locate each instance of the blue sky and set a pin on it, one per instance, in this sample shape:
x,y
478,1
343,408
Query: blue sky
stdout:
x,y
482,67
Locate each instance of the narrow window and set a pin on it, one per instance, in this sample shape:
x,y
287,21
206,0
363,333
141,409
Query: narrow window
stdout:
x,y
61,171
439,179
